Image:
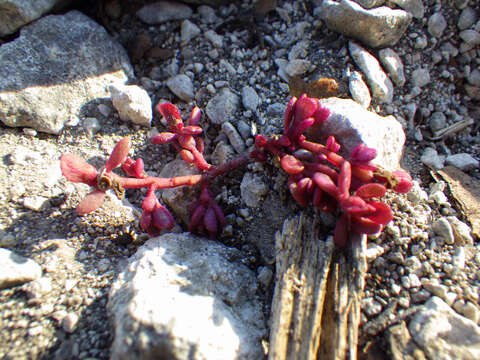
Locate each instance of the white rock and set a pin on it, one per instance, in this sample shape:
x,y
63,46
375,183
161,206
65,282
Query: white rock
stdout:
x,y
69,322
180,292
474,77
393,64
443,334
437,24
181,85
371,307
132,103
16,269
443,228
459,258
431,158
417,194
252,189
188,31
461,231
36,203
359,90
380,84
420,77
463,161
410,281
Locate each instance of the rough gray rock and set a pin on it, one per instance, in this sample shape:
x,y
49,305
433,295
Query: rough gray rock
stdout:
x,y
443,334
359,90
132,103
189,31
467,18
463,161
252,189
368,4
420,77
16,269
377,27
380,84
182,86
351,125
185,297
222,107
437,24
250,99
431,158
56,66
414,7
163,11
393,64
15,13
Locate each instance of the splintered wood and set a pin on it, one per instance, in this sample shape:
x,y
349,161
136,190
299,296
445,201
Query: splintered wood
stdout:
x,y
318,290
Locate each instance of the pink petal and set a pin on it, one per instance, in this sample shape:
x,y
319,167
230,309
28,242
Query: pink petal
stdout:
x,y
91,202
325,183
344,179
291,165
341,231
382,215
289,112
162,219
195,116
118,155
163,138
75,169
368,191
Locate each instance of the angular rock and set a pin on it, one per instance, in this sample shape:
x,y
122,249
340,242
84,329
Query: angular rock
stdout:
x,y
163,11
351,125
463,161
252,189
467,18
71,61
184,297
234,137
444,229
250,98
132,103
182,86
16,269
443,334
420,77
380,84
222,107
189,31
402,346
414,7
15,14
377,27
359,90
431,158
437,24
393,64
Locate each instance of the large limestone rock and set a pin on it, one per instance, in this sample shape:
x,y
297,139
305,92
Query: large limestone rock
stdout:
x,y
378,27
184,297
54,68
16,13
351,125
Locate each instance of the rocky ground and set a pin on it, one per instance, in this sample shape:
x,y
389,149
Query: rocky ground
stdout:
x,y
234,61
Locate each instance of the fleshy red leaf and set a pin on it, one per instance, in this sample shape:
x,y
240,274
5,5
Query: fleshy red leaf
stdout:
x,y
138,168
197,216
321,115
332,144
325,183
187,142
344,179
289,112
161,218
341,231
75,169
305,108
260,141
355,205
368,191
195,116
222,222
150,201
382,215
91,202
163,138
291,165
364,226
298,194
405,183
145,220
187,156
317,197
118,155
192,130
172,115
200,144
363,154
298,128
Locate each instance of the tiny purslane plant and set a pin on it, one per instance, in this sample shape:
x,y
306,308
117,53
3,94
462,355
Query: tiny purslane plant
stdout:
x,y
317,174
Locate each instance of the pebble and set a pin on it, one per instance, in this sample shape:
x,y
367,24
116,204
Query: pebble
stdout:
x,y
91,125
471,38
36,203
359,90
413,265
462,232
474,77
222,107
234,137
132,103
431,158
17,269
371,307
39,287
467,18
207,14
410,281
69,322
252,189
214,38
443,228
417,194
459,258
297,67
393,64
188,31
265,276
163,11
414,7
420,77
463,161
436,25
29,132
373,251
437,121
182,86
250,99
380,84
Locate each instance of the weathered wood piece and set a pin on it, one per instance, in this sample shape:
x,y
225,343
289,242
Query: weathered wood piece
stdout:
x,y
318,290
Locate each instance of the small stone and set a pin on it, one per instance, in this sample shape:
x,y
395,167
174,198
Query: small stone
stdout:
x,y
474,77
442,228
297,67
91,125
413,265
471,311
420,77
222,107
214,38
234,137
436,25
16,269
29,132
421,42
371,307
396,257
250,99
431,158
359,90
435,288
373,251
461,231
188,31
39,287
182,86
163,11
414,7
467,18
458,259
207,14
410,281
437,121
69,322
252,189
471,39
417,194
36,203
463,161
132,103
393,64
265,275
